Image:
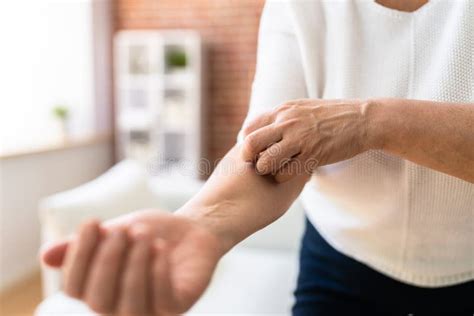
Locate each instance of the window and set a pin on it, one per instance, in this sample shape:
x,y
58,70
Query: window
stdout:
x,y
46,59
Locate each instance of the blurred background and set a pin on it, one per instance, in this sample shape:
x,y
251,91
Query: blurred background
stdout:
x,y
107,106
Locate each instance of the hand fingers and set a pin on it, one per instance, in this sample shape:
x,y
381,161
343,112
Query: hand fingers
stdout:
x,y
79,256
134,292
162,291
258,141
53,254
297,166
276,156
101,286
259,122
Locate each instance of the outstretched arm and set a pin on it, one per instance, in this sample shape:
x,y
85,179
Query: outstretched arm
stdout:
x,y
152,262
110,266
237,201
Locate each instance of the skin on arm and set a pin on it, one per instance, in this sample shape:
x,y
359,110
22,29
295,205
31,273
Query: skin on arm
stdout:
x,y
237,201
240,199
169,262
436,135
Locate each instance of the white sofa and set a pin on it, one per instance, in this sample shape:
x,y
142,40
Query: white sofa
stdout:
x,y
257,277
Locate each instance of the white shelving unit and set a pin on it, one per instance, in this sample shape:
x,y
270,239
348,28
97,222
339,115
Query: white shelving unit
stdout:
x,y
159,99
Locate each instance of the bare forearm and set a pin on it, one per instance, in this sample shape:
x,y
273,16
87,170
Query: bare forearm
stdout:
x,y
437,135
236,201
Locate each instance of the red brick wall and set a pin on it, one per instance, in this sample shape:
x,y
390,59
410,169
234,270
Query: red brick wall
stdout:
x,y
229,29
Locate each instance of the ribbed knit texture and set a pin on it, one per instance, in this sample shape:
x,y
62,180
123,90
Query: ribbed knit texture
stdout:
x,y
404,220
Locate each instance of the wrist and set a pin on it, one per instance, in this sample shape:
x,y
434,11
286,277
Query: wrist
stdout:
x,y
207,217
373,113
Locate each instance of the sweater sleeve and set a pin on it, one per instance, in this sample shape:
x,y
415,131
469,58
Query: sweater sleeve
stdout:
x,y
279,74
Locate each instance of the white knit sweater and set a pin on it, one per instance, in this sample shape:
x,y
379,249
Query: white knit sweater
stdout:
x,y
404,220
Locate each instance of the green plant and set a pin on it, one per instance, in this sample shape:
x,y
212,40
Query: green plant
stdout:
x,y
61,112
176,58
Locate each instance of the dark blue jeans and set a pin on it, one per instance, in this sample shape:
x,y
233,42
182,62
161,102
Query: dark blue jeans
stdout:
x,y
330,283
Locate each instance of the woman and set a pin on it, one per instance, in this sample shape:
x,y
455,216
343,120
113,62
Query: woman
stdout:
x,y
391,186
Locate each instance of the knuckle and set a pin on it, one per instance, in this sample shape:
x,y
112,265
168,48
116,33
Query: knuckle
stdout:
x,y
289,105
247,130
280,110
287,122
283,116
284,106
250,143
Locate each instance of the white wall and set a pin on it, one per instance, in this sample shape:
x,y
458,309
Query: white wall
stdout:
x,y
103,30
24,180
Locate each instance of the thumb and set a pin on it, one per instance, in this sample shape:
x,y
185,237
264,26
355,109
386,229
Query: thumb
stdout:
x,y
53,254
